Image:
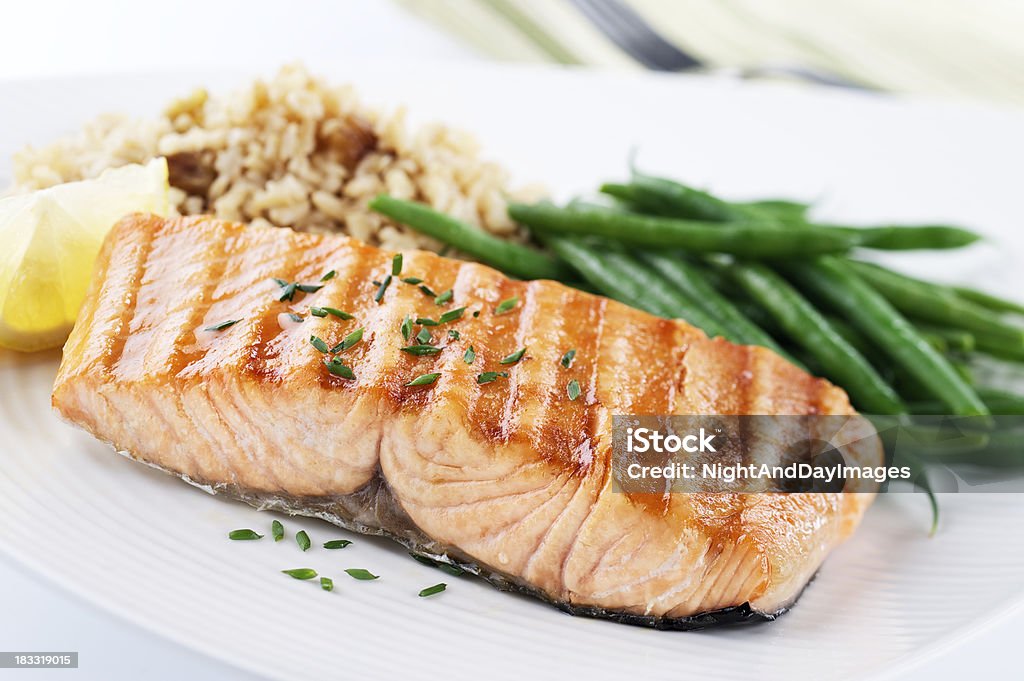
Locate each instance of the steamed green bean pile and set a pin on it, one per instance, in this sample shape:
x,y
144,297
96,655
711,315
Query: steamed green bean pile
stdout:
x,y
765,273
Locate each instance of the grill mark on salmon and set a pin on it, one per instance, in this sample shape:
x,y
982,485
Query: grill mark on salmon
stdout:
x,y
185,350
120,336
510,479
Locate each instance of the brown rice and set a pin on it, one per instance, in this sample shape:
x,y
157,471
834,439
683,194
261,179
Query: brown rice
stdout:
x,y
290,152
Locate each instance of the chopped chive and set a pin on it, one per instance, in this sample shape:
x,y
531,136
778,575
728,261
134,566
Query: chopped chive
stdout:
x,y
295,318
420,558
573,389
431,590
469,356
476,313
359,573
351,339
244,535
335,366
453,334
348,341
452,315
280,282
426,321
324,311
319,344
425,379
453,570
406,327
514,357
330,275
277,529
490,376
423,336
420,350
381,289
327,584
412,280
300,573
288,291
309,288
396,264
336,544
302,539
427,291
506,305
568,357
222,325
340,314
444,297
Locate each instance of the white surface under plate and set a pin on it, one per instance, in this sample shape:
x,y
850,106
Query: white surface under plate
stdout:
x,y
154,550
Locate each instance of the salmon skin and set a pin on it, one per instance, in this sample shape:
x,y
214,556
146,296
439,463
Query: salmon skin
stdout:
x,y
509,478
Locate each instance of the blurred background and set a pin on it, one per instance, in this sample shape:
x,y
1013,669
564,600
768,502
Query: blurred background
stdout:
x,y
947,48
970,48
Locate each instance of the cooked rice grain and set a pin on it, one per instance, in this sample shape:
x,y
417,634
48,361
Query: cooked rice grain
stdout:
x,y
290,152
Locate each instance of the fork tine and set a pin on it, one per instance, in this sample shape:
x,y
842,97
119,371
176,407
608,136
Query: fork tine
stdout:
x,y
634,35
620,16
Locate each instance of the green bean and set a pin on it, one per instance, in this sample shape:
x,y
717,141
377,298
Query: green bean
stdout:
x,y
666,197
907,386
806,327
783,209
964,369
692,280
511,258
1000,349
908,237
987,300
747,240
721,283
669,198
913,391
999,402
935,340
590,264
953,340
1001,449
939,305
620,277
672,199
937,441
757,314
850,334
1003,397
624,193
675,301
943,340
836,281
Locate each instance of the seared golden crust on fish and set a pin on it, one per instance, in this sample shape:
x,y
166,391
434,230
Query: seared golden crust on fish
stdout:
x,y
511,475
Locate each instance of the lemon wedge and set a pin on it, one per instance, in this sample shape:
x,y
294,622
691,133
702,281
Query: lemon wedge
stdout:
x,y
48,243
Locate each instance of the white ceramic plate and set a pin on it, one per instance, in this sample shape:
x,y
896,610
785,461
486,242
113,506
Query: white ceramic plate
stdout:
x,y
152,549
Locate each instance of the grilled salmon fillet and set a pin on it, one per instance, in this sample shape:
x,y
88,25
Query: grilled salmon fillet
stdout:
x,y
510,478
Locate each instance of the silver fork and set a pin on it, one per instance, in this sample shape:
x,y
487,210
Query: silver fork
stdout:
x,y
638,39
